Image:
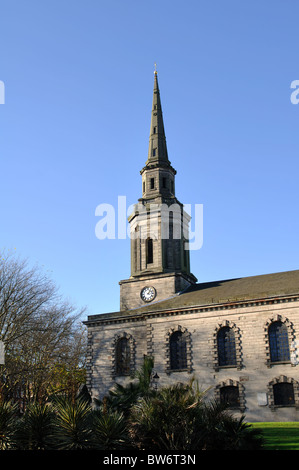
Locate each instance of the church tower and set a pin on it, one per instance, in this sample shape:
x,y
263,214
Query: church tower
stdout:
x,y
159,227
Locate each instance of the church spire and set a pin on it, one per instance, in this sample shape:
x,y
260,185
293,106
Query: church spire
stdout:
x,y
157,174
157,151
160,264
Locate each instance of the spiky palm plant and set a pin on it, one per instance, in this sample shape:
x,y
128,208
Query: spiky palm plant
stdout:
x,y
73,424
109,430
178,418
35,429
123,397
7,424
144,375
238,435
166,420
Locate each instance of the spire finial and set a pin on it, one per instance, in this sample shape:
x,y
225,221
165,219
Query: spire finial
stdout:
x,y
155,72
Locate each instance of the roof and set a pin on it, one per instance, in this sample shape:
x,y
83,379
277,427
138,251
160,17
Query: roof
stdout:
x,y
219,292
233,290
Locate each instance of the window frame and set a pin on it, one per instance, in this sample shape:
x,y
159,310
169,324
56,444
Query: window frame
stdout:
x,y
280,380
238,348
188,340
114,352
122,357
226,389
279,353
178,351
226,346
281,392
241,393
291,337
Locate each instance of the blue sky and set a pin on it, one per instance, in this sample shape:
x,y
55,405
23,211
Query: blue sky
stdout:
x,y
74,131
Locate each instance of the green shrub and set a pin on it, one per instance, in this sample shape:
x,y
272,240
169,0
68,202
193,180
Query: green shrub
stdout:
x,y
109,430
35,430
8,418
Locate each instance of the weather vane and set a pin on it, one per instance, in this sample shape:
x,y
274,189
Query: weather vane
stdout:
x,y
155,68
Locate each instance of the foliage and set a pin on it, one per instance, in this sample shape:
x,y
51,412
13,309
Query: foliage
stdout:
x,y
177,418
109,430
8,413
224,431
122,397
166,420
238,435
73,424
35,430
143,375
66,378
56,416
41,332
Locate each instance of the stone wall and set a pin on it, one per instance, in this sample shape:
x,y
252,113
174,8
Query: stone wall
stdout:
x,y
254,374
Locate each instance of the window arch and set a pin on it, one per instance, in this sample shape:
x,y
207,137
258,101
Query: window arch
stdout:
x,y
283,394
178,351
231,393
123,355
226,345
278,342
283,391
230,396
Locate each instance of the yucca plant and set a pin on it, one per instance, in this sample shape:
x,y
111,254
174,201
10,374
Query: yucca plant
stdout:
x,y
8,413
73,424
109,430
35,429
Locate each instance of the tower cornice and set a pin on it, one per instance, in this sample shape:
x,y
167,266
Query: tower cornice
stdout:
x,y
152,166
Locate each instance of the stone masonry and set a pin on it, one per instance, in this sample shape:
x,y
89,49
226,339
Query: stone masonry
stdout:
x,y
254,373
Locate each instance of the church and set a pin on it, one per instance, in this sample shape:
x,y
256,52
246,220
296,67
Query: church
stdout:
x,y
236,337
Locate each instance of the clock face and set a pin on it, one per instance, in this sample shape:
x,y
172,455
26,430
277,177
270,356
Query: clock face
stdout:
x,y
148,294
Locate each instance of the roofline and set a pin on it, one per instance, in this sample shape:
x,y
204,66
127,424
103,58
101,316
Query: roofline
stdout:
x,y
128,316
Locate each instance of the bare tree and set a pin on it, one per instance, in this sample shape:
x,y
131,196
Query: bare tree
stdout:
x,y
39,328
23,292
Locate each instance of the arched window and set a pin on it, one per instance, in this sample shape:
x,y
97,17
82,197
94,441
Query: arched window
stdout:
x,y
149,251
226,345
229,395
123,357
283,394
178,351
278,342
283,391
